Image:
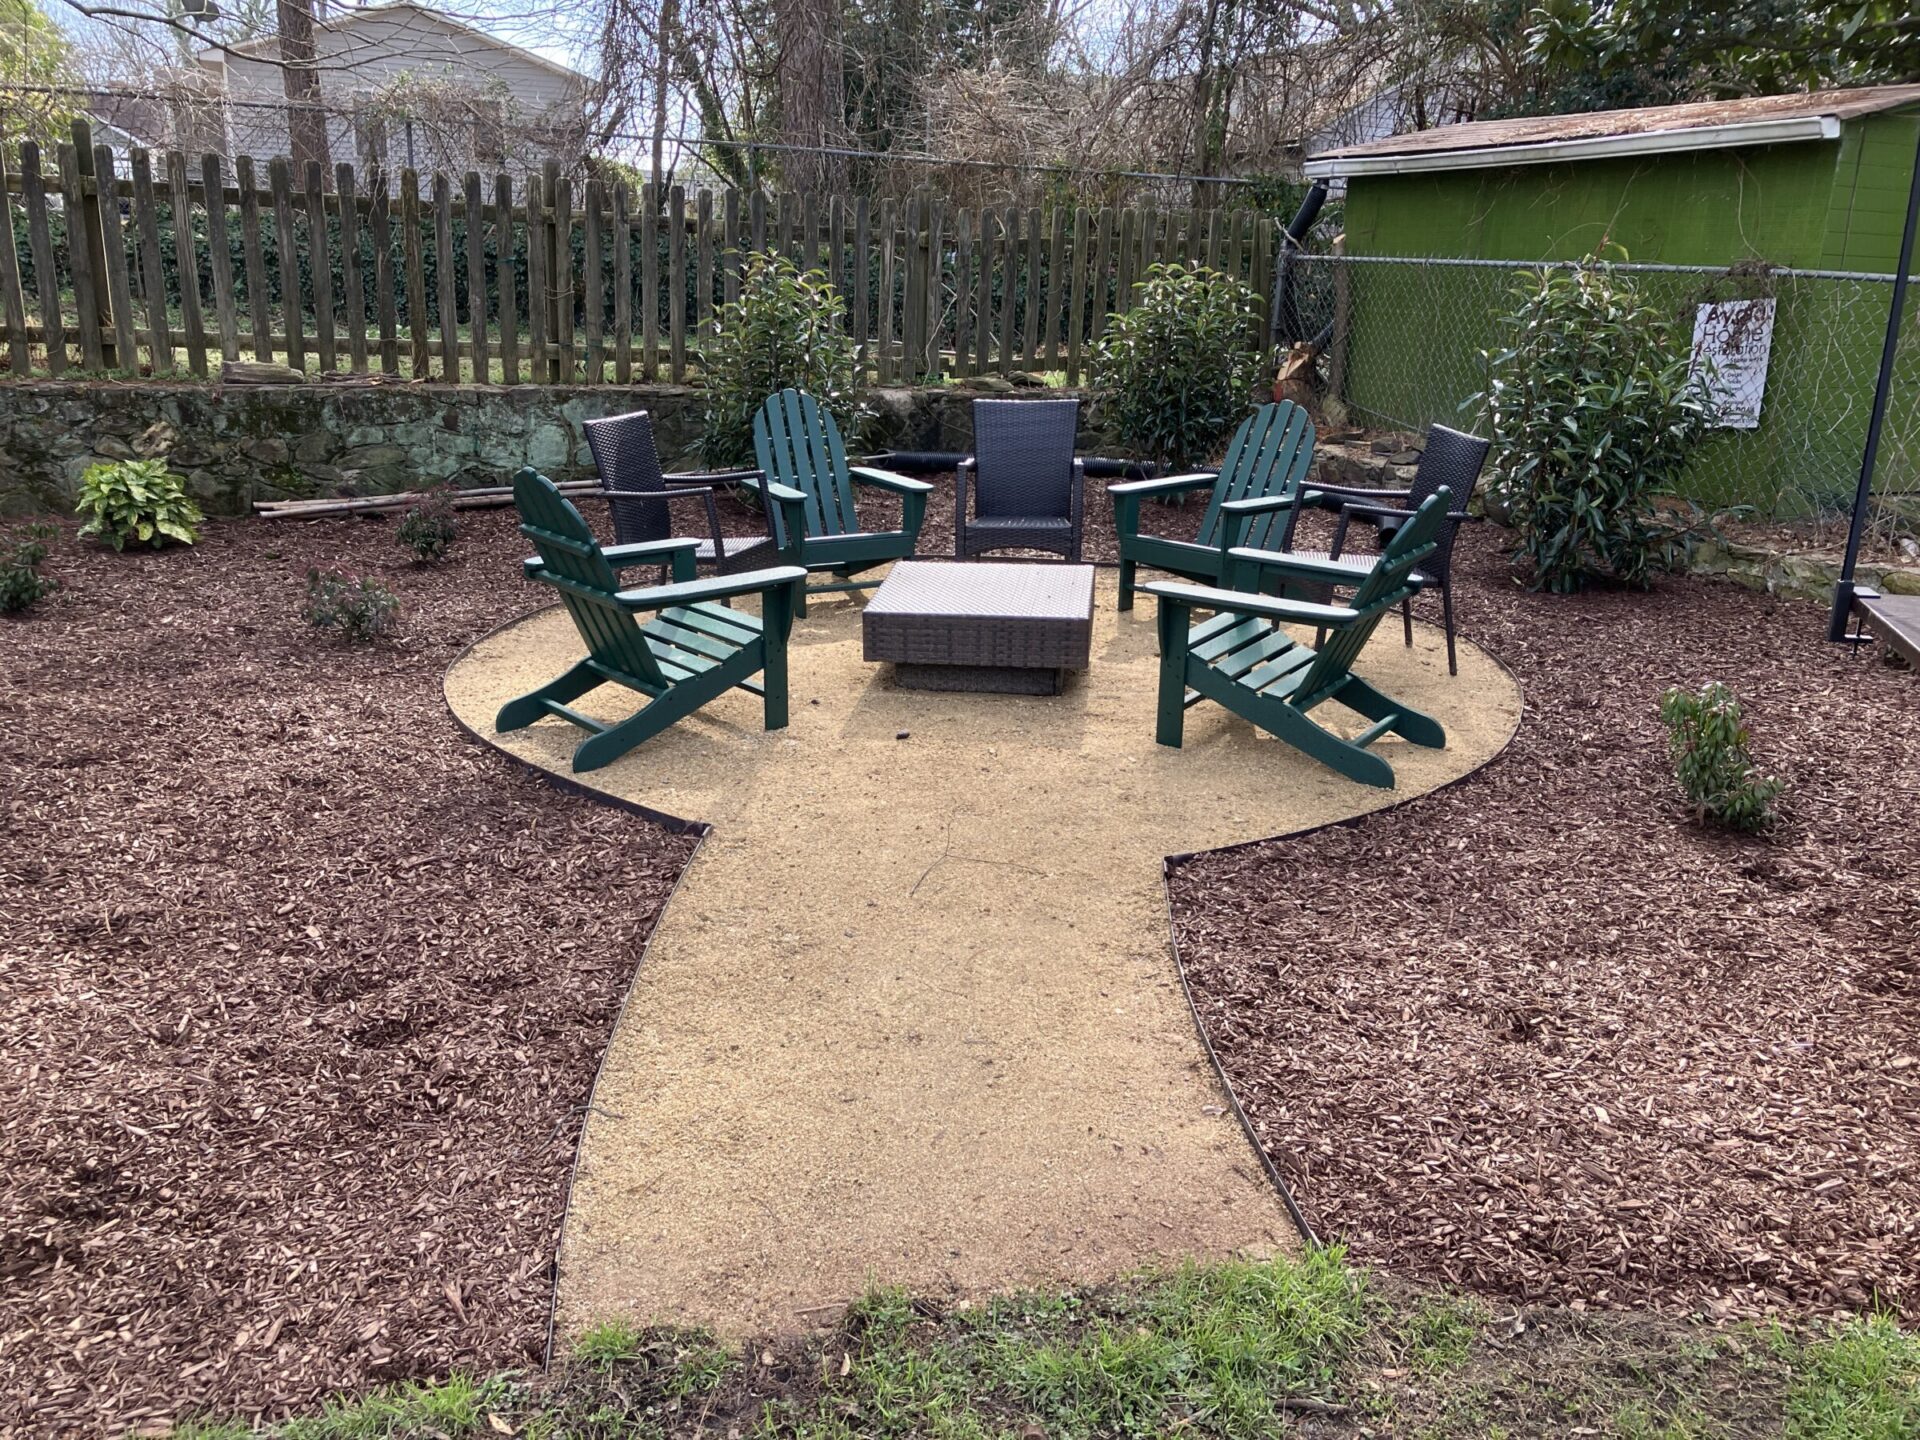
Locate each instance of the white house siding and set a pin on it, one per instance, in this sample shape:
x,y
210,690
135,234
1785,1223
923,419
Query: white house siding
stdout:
x,y
363,54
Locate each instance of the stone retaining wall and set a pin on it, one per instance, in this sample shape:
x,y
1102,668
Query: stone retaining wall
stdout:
x,y
240,443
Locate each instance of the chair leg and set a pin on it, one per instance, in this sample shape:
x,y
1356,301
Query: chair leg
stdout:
x,y
1126,584
520,713
1446,610
776,620
1406,618
1170,725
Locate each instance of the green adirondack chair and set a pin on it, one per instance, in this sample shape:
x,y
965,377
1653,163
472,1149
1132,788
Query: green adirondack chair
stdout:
x,y
799,446
1254,492
692,651
1242,657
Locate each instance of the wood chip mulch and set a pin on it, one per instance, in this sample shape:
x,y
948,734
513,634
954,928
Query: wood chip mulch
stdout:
x,y
301,992
1542,1035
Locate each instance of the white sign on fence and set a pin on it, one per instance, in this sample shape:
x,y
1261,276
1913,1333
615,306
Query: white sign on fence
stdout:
x,y
1736,336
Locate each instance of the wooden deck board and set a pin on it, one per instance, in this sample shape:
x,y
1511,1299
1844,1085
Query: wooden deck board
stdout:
x,y
1895,619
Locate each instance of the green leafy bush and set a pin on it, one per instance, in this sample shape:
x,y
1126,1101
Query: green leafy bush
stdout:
x,y
1708,741
1593,416
21,583
1176,372
429,528
138,500
786,329
360,609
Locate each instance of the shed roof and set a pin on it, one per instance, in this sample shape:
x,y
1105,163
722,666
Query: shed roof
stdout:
x,y
1539,139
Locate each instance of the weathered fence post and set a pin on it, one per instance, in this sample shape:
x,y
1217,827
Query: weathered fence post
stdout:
x,y
13,306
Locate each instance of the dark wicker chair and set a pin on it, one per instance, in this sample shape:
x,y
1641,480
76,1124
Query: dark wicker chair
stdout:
x,y
1029,491
1452,461
641,495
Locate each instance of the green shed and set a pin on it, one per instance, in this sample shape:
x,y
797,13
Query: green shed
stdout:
x,y
1812,185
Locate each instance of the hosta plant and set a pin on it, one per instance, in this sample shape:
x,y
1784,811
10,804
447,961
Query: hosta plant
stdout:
x,y
1593,415
360,609
1176,372
787,330
137,500
1708,741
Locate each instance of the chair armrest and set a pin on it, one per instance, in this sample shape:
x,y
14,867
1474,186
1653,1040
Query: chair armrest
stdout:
x,y
1165,485
887,480
771,489
647,551
1324,571
1332,496
655,552
712,477
1259,505
632,497
720,587
1240,603
1388,512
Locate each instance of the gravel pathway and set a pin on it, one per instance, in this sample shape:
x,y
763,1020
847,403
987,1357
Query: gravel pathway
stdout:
x,y
913,1015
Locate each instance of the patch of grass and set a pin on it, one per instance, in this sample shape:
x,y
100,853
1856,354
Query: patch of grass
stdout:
x,y
1211,1350
455,1407
211,1430
607,1343
1862,1382
1439,1332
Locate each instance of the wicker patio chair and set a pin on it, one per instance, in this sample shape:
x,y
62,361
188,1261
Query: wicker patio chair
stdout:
x,y
1029,492
641,496
1452,461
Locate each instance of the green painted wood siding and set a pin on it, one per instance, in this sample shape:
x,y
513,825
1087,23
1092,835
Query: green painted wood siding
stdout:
x,y
1711,207
1868,202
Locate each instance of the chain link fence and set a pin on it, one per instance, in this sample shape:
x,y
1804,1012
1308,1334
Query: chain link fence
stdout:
x,y
1404,343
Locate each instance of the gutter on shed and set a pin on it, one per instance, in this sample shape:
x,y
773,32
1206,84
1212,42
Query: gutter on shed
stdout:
x,y
1593,147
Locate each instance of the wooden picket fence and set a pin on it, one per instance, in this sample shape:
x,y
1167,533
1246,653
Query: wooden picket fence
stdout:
x,y
467,279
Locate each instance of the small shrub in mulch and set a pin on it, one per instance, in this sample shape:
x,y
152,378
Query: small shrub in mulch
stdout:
x,y
360,609
1707,738
428,529
1177,368
22,586
1595,411
787,329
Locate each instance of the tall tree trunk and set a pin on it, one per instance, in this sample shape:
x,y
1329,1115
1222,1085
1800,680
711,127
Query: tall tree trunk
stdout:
x,y
300,80
662,80
812,91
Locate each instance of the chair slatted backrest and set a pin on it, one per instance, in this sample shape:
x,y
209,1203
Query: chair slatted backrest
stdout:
x,y
571,562
1385,586
798,444
1454,460
628,460
1024,450
1270,455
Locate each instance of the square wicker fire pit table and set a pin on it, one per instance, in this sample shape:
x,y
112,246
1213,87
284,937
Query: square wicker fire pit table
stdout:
x,y
977,625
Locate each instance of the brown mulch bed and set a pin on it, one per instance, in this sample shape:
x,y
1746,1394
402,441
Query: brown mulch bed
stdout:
x,y
1543,1035
301,992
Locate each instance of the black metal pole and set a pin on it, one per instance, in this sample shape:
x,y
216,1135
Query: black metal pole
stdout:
x,y
1863,496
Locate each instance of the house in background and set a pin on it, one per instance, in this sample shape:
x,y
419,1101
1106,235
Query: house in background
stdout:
x,y
405,85
400,85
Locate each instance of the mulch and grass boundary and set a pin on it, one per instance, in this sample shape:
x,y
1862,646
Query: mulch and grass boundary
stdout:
x,y
1233,1350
